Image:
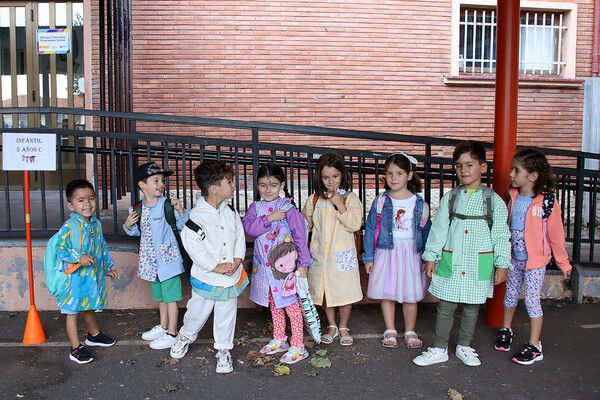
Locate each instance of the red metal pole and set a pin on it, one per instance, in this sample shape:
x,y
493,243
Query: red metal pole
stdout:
x,y
34,333
505,120
28,236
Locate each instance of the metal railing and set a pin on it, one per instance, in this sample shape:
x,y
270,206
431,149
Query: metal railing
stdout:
x,y
107,159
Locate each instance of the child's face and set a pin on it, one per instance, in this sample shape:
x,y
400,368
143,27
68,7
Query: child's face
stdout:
x,y
224,190
396,178
83,202
269,187
469,170
522,179
332,178
153,187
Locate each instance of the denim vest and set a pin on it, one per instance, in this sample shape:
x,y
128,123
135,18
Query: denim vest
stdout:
x,y
386,238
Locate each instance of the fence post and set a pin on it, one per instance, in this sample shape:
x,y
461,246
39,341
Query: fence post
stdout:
x,y
579,182
255,162
426,165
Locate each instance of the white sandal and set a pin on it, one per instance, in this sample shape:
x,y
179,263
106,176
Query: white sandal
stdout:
x,y
327,338
346,340
390,342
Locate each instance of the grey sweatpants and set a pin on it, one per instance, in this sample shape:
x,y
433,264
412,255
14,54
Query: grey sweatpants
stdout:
x,y
445,319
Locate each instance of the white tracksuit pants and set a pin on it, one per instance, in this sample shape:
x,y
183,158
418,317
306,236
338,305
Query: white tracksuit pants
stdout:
x,y
198,311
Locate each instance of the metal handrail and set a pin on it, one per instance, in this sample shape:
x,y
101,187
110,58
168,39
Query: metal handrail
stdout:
x,y
118,152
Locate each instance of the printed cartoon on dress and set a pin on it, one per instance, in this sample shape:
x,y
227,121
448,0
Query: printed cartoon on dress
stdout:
x,y
283,263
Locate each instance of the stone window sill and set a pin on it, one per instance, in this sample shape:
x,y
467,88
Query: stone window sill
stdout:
x,y
524,81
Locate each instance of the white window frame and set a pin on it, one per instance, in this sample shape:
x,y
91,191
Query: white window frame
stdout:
x,y
569,40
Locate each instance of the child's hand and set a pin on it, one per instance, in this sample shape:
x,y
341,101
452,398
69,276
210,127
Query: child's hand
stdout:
x,y
178,206
567,275
132,219
368,267
303,272
112,273
276,215
86,260
338,202
223,268
429,267
500,275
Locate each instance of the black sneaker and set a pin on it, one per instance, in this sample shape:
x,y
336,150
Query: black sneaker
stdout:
x,y
529,355
504,339
99,340
81,355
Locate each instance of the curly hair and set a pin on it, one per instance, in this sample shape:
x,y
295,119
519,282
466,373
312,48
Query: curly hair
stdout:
x,y
210,172
534,161
402,162
330,160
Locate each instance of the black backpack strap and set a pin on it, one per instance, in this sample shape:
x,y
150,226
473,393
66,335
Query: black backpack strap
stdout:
x,y
547,205
170,215
231,207
196,228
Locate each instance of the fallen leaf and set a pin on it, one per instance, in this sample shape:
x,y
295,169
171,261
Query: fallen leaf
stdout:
x,y
454,394
320,362
321,352
170,361
253,355
13,314
311,373
281,369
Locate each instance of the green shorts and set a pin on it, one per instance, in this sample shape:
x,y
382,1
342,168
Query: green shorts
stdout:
x,y
167,291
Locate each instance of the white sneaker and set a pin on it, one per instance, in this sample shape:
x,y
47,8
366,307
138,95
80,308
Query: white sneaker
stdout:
x,y
433,355
154,333
180,347
468,356
224,363
163,342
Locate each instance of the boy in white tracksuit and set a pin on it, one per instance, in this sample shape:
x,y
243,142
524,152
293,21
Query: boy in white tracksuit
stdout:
x,y
214,238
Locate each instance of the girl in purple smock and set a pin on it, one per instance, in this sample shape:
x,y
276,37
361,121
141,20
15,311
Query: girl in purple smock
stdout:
x,y
270,221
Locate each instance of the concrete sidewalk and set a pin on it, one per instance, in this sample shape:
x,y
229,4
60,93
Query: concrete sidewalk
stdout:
x,y
131,370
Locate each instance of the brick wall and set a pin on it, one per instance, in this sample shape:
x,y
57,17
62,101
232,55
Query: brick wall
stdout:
x,y
353,64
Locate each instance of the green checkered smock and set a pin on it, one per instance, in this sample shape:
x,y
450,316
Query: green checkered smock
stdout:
x,y
467,251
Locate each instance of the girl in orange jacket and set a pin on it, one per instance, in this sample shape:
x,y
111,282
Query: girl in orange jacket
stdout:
x,y
537,233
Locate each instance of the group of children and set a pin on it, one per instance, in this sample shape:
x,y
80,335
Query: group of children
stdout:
x,y
474,243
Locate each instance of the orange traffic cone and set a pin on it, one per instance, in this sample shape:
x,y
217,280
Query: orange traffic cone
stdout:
x,y
34,333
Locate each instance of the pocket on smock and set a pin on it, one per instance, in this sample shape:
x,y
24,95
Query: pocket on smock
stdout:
x,y
486,265
169,252
346,260
444,267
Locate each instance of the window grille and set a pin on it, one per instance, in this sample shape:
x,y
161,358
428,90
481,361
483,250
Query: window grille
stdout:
x,y
540,42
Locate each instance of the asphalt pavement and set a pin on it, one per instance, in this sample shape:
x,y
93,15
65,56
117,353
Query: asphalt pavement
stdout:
x,y
131,370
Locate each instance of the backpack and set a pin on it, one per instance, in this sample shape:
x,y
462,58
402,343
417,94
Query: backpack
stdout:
x,y
172,221
488,205
547,206
55,278
357,235
380,203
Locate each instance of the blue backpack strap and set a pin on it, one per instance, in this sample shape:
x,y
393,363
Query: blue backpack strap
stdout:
x,y
75,227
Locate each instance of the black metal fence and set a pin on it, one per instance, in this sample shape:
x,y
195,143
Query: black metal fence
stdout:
x,y
108,158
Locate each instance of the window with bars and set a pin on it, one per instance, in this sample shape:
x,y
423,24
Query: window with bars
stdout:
x,y
540,44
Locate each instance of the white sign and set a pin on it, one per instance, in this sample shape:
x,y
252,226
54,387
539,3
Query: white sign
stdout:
x,y
53,41
28,151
